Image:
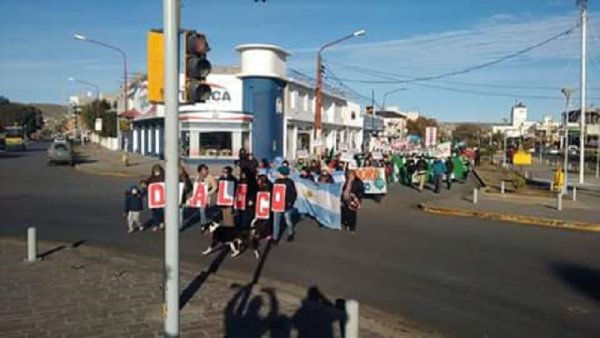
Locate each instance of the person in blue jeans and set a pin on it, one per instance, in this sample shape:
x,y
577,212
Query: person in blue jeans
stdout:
x,y
290,198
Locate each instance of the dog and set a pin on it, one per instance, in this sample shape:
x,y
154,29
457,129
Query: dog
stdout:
x,y
237,240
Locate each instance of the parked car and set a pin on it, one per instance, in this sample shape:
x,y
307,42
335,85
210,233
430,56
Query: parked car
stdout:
x,y
554,151
60,152
573,150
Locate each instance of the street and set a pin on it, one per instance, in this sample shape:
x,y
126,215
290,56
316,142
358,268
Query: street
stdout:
x,y
460,276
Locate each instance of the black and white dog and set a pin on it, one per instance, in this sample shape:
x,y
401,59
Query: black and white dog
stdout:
x,y
236,239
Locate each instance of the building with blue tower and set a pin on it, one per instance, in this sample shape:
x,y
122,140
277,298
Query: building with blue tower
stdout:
x,y
260,106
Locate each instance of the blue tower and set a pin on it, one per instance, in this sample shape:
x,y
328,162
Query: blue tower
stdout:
x,y
264,79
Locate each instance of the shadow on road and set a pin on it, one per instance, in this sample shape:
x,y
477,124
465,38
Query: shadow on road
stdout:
x,y
61,247
582,279
195,285
10,155
246,316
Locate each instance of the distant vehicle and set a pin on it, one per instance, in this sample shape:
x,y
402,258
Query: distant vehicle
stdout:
x,y
60,152
2,140
553,151
15,139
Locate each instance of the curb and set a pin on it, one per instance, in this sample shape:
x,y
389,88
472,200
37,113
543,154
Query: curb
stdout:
x,y
374,320
521,219
81,169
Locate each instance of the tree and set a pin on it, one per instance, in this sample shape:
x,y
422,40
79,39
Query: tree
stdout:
x,y
29,117
100,109
417,127
469,133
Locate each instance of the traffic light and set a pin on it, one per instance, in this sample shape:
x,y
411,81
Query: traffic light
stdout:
x,y
369,110
156,63
197,67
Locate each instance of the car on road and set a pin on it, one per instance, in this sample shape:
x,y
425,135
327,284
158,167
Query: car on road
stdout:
x,y
60,152
573,150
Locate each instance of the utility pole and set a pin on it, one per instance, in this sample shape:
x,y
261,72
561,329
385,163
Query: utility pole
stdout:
x,y
567,92
583,7
171,97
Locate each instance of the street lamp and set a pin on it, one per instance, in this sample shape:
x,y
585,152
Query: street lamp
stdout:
x,y
81,37
391,92
319,87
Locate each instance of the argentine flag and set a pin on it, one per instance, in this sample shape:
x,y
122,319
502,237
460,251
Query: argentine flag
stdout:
x,y
321,201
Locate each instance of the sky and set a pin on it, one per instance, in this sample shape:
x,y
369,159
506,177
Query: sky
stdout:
x,y
404,40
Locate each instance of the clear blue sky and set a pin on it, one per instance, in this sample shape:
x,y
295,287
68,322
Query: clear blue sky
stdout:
x,y
407,38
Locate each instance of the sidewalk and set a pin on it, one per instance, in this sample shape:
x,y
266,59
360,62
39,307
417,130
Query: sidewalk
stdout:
x,y
95,160
94,292
580,215
544,174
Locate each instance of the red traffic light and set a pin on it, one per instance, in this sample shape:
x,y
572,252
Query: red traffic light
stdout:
x,y
198,91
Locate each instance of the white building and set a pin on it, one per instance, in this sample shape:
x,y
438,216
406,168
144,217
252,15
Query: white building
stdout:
x,y
519,125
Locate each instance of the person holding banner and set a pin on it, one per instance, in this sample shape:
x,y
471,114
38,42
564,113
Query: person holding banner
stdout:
x,y
261,224
226,196
205,178
352,194
282,202
188,187
245,197
157,175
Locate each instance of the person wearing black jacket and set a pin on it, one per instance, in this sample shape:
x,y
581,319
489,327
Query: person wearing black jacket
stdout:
x,y
290,198
352,194
421,169
244,217
188,188
157,175
449,171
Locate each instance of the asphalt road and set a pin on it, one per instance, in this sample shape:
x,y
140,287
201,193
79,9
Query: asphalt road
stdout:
x,y
463,277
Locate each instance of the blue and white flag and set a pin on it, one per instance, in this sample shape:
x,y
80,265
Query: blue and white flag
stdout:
x,y
321,201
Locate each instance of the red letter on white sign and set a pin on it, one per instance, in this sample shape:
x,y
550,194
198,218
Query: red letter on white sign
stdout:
x,y
263,205
225,195
240,196
156,195
200,197
278,202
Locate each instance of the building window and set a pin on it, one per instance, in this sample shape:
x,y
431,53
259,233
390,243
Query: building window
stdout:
x,y
293,95
353,115
303,141
305,107
184,144
216,144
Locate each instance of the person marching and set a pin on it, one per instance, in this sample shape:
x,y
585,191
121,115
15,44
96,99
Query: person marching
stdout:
x,y
290,198
352,194
246,215
158,214
439,169
187,190
449,172
204,176
134,204
261,228
421,169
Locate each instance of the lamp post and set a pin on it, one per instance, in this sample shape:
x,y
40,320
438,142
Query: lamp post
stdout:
x,y
567,92
81,37
72,79
390,92
319,87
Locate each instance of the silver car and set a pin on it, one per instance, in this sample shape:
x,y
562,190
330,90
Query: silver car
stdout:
x,y
60,152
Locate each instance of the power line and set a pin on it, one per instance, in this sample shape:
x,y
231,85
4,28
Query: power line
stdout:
x,y
476,67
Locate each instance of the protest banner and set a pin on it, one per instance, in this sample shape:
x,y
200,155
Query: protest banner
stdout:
x,y
225,196
303,154
373,179
199,198
278,201
442,150
347,157
377,155
240,196
430,136
156,195
263,205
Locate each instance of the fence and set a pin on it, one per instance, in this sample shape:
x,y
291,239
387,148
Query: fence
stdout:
x,y
111,143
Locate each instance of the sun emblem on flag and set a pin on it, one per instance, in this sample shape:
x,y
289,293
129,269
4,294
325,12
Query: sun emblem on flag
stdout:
x,y
308,193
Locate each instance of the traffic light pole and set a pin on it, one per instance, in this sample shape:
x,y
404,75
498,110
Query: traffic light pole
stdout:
x,y
171,93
